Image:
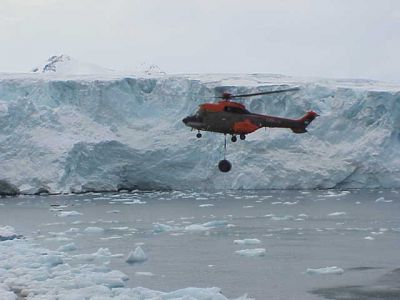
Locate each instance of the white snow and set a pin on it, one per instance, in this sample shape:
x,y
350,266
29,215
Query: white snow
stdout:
x,y
66,132
65,64
251,252
326,271
137,255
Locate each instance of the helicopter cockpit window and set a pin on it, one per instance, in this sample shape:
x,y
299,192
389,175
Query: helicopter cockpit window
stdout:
x,y
235,110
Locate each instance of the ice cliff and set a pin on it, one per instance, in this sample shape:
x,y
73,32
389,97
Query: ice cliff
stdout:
x,y
77,133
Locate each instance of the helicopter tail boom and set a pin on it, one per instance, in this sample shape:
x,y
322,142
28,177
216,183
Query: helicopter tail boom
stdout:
x,y
304,122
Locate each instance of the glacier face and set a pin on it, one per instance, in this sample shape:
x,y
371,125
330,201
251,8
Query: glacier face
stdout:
x,y
105,133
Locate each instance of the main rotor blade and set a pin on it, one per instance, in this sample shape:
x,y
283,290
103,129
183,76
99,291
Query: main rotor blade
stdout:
x,y
266,93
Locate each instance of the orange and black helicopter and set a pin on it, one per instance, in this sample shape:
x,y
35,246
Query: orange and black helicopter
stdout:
x,y
233,118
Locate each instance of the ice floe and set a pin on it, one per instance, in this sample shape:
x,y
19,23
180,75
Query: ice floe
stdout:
x,y
338,213
247,242
325,271
159,227
67,247
251,252
8,233
68,214
94,230
144,274
382,199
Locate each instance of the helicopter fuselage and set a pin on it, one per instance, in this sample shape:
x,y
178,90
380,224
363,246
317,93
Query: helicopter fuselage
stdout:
x,y
233,118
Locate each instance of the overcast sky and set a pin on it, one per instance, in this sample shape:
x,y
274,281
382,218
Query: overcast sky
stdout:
x,y
326,38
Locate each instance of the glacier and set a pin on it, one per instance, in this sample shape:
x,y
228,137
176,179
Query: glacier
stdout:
x,y
66,133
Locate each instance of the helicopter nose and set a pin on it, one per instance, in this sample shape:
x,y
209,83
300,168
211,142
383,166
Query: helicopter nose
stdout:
x,y
185,120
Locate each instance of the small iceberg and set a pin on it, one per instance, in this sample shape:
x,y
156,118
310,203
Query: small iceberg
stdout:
x,y
64,214
251,252
94,230
338,213
8,233
326,271
247,242
136,256
67,247
382,199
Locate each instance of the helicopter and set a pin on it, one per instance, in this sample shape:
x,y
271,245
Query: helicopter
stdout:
x,y
229,117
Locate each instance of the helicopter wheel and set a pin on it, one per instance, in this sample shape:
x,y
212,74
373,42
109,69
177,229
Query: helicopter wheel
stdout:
x,y
224,166
242,137
233,138
198,135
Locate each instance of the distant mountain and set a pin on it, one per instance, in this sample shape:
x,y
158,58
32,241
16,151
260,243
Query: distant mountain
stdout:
x,y
65,64
150,69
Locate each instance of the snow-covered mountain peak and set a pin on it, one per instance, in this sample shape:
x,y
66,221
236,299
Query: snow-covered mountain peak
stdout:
x,y
150,69
65,64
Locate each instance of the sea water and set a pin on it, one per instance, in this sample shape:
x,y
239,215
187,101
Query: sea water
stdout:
x,y
268,244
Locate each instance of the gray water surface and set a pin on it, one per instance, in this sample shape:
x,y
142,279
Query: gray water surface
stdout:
x,y
358,231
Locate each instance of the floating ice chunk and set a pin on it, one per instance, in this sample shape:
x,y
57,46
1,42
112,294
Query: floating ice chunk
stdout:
x,y
101,255
369,238
122,228
6,294
115,211
206,205
196,227
251,252
114,237
68,214
72,230
94,230
51,259
303,215
158,228
290,203
136,256
335,194
382,199
283,218
216,223
247,242
8,233
67,247
338,213
144,274
195,294
134,202
325,271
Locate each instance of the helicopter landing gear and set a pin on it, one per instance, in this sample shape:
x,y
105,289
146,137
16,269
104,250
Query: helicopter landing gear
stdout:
x,y
225,165
233,138
242,137
198,135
